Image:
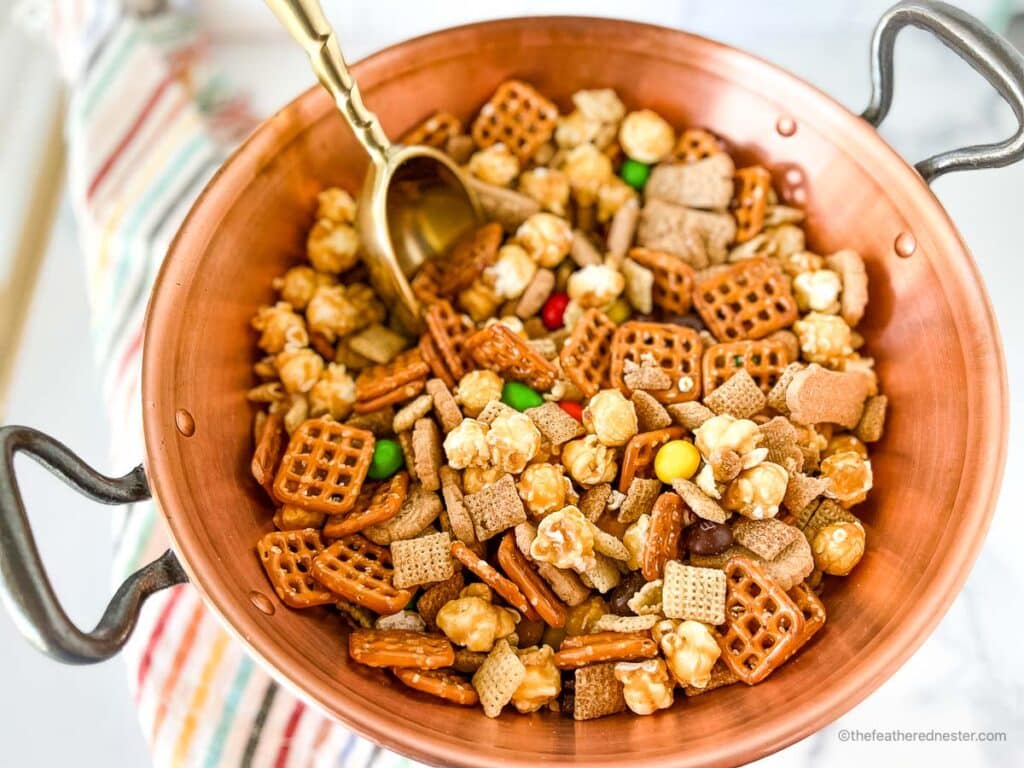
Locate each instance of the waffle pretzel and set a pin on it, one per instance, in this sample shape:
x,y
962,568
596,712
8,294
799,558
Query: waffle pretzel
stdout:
x,y
811,607
382,385
582,650
427,283
360,571
377,503
472,253
499,349
449,330
287,557
324,466
674,348
400,648
638,457
673,279
432,356
489,576
518,117
434,131
763,626
268,451
753,186
440,683
586,354
534,588
695,144
763,359
748,300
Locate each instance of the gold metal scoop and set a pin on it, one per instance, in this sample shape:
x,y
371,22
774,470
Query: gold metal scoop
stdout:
x,y
415,201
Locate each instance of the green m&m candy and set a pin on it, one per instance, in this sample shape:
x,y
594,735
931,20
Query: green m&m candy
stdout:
x,y
635,173
520,396
387,459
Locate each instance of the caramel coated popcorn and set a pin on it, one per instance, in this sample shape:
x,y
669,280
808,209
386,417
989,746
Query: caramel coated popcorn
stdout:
x,y
641,401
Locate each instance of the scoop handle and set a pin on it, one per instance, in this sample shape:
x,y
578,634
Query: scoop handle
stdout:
x,y
986,52
307,24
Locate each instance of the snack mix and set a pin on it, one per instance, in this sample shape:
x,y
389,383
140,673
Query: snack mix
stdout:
x,y
614,470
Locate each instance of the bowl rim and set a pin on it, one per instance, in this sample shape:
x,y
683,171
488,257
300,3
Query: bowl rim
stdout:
x,y
985,451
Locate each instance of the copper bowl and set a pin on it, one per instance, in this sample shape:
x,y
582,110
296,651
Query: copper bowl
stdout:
x,y
929,325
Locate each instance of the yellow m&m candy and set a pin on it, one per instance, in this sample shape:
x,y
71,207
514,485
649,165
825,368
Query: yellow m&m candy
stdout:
x,y
675,460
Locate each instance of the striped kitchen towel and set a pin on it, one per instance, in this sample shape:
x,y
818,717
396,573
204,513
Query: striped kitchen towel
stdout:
x,y
147,126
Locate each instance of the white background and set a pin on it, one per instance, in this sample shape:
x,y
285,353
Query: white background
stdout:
x,y
969,674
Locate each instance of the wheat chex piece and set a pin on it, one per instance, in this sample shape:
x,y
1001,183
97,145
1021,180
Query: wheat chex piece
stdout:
x,y
434,131
803,516
777,394
498,678
802,490
517,116
422,560
536,293
287,557
586,354
427,454
699,238
827,513
447,410
817,395
791,566
689,415
405,443
583,251
420,508
640,498
721,676
650,414
765,538
872,422
565,584
437,596
612,623
377,343
324,466
458,516
700,503
407,416
525,533
603,574
647,376
705,183
493,410
495,508
597,692
594,501
739,396
854,297
693,593
779,437
608,545
554,423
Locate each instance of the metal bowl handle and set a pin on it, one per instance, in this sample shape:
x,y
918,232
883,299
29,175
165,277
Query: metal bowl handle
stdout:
x,y
24,585
989,54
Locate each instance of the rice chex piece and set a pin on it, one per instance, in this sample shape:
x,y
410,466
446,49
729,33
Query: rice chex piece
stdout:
x,y
603,575
612,623
640,498
739,396
766,538
700,503
872,422
426,453
594,500
802,490
693,593
495,508
498,678
423,560
494,409
447,410
650,414
777,394
436,597
409,414
779,436
721,676
689,415
597,692
458,516
554,423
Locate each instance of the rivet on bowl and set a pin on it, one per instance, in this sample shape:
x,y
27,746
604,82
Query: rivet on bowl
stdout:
x,y
185,423
786,126
262,602
905,245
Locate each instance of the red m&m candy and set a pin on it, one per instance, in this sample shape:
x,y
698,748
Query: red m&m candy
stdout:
x,y
553,312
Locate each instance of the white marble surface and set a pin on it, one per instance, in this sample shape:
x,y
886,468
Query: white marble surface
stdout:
x,y
967,675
